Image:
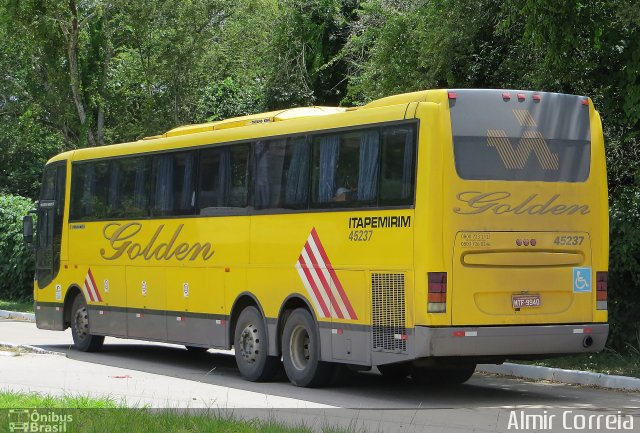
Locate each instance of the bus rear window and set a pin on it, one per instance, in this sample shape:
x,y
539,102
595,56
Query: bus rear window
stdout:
x,y
519,138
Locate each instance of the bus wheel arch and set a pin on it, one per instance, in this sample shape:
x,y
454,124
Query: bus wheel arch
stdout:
x,y
249,336
243,300
301,351
290,304
83,340
72,292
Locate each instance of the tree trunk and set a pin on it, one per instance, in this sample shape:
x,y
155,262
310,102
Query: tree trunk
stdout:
x,y
74,74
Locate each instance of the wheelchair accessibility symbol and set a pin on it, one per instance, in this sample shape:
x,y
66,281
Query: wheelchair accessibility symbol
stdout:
x,y
582,280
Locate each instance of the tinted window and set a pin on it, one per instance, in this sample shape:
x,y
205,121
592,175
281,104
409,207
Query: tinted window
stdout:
x,y
173,177
345,169
520,138
119,188
129,188
223,178
281,170
397,170
90,190
50,222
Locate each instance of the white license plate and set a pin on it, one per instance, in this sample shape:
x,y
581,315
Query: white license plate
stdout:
x,y
524,301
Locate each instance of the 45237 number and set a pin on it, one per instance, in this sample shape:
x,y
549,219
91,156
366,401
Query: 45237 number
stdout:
x,y
360,235
568,240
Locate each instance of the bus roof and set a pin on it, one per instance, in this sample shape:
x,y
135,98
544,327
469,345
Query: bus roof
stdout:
x,y
257,119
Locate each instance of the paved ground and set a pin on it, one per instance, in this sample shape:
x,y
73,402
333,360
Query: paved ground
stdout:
x,y
162,375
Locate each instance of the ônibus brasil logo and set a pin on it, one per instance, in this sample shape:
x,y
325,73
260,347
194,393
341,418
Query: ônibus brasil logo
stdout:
x,y
32,421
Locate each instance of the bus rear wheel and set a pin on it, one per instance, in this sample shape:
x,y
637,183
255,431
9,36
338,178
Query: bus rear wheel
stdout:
x,y
301,351
82,339
251,347
443,375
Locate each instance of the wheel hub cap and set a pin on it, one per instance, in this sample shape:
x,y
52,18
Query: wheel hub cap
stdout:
x,y
249,343
299,348
82,323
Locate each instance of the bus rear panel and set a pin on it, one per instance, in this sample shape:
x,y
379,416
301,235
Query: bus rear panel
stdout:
x,y
525,228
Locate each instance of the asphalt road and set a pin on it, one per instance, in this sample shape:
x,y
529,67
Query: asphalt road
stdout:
x,y
484,403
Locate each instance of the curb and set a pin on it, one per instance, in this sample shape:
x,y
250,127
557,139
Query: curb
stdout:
x,y
33,349
4,314
573,377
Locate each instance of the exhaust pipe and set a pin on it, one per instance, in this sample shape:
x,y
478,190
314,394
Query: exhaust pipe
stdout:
x,y
587,342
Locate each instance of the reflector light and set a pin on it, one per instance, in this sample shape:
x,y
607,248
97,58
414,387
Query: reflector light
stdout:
x,y
437,297
506,96
437,292
588,330
601,281
521,96
458,333
585,102
601,290
453,95
536,98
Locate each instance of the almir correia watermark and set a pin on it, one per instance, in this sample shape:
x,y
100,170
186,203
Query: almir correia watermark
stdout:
x,y
568,420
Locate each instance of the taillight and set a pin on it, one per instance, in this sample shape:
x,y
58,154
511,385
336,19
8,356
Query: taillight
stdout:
x,y
437,294
601,290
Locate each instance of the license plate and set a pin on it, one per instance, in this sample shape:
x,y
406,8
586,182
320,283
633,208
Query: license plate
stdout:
x,y
522,301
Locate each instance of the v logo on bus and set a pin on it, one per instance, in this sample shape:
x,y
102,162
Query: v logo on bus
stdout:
x,y
321,281
531,141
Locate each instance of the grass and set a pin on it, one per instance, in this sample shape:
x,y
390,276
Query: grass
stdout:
x,y
607,362
19,400
22,306
104,415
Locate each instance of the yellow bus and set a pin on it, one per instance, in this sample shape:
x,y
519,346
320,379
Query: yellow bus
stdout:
x,y
421,233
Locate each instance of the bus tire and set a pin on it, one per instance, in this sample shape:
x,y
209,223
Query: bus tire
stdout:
x,y
301,351
82,339
445,375
395,371
251,347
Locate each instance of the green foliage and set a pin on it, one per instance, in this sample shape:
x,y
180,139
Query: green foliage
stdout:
x,y
26,146
227,99
16,267
624,268
306,65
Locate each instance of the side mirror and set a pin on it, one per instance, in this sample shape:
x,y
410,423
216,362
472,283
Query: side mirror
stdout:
x,y
27,229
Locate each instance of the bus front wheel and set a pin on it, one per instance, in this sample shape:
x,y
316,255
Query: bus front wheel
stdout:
x,y
82,339
250,344
301,351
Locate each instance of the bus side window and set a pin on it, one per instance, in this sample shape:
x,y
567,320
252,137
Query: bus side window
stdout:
x,y
345,169
129,186
281,172
174,192
296,173
397,175
223,178
90,191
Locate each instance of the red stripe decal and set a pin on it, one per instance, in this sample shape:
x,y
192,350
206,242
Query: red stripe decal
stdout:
x,y
323,281
334,276
87,287
312,283
95,286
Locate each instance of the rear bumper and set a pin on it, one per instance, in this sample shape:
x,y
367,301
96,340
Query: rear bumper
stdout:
x,y
510,340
